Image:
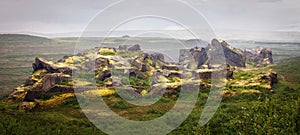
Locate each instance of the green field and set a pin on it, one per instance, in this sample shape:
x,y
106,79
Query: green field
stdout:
x,y
247,113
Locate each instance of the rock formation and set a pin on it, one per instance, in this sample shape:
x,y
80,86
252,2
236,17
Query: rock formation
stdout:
x,y
259,56
130,48
141,74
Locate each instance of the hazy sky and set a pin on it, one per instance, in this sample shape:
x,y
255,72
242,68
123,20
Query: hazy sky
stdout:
x,y
61,16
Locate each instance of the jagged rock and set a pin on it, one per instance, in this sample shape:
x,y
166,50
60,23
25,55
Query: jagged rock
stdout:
x,y
199,55
130,48
41,63
205,74
158,56
45,85
113,82
102,62
271,78
143,62
233,56
104,74
260,56
170,67
136,73
61,89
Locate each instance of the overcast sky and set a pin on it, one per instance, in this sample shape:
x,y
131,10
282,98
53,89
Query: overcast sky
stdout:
x,y
62,16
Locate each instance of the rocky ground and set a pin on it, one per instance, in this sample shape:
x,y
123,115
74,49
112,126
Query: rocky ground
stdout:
x,y
130,69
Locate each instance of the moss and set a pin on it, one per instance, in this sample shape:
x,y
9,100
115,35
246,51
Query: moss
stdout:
x,y
108,53
121,105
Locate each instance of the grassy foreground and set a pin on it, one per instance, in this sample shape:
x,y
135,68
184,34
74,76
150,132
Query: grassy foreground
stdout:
x,y
247,113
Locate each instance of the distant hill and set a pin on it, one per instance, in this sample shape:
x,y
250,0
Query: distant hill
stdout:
x,y
21,39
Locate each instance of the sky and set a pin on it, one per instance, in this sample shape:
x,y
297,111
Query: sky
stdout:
x,y
66,16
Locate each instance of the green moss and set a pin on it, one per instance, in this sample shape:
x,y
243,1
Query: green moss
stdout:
x,y
108,53
121,105
124,54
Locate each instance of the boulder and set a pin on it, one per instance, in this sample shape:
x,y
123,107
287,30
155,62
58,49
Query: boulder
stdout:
x,y
51,67
45,85
102,62
158,56
271,78
143,62
260,56
233,56
170,67
136,73
199,55
130,48
104,74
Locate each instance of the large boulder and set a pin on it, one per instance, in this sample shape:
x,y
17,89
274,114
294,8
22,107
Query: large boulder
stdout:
x,y
260,56
130,48
41,63
217,49
104,74
271,78
233,56
144,62
36,90
158,56
45,85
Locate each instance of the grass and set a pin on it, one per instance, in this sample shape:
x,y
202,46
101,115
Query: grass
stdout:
x,y
247,113
108,53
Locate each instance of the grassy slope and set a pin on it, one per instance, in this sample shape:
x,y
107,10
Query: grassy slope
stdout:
x,y
247,113
21,39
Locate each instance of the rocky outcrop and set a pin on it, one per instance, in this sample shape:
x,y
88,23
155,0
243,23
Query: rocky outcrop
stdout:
x,y
41,63
104,74
145,62
143,72
130,48
271,78
259,56
45,85
199,55
233,56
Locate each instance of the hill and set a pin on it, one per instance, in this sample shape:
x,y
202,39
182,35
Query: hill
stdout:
x,y
17,39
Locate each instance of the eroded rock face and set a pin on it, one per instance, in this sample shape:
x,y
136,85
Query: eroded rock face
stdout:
x,y
104,74
112,70
45,85
233,56
192,58
41,63
260,56
144,62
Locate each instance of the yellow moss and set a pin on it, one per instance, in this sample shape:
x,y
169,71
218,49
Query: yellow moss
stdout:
x,y
144,92
251,91
106,91
55,100
69,60
35,76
